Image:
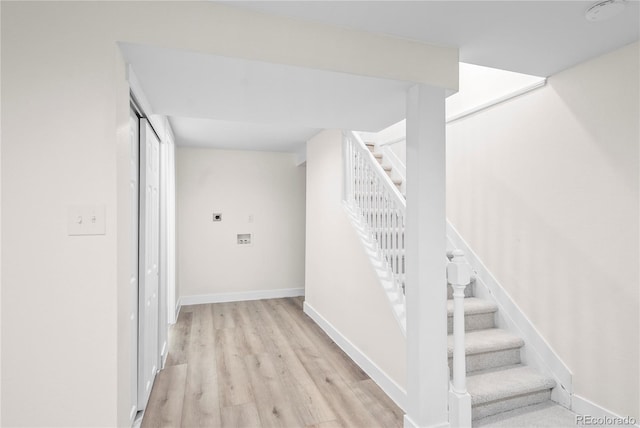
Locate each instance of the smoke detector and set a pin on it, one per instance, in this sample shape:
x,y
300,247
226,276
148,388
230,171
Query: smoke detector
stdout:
x,y
604,10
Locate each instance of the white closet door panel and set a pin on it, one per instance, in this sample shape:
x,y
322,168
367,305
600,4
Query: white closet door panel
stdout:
x,y
134,168
149,253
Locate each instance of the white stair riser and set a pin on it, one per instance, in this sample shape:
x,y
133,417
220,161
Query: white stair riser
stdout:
x,y
492,408
474,322
489,360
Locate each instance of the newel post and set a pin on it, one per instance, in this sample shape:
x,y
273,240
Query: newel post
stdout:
x,y
459,276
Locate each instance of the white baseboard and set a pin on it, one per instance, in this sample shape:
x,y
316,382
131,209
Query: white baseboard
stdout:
x,y
201,299
388,385
409,423
132,414
178,306
164,354
581,406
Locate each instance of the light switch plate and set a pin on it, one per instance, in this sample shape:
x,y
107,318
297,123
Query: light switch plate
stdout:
x,y
86,220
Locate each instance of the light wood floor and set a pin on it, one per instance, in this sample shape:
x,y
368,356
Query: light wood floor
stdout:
x,y
261,364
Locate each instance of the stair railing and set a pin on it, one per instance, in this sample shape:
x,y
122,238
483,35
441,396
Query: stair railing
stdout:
x,y
371,194
369,191
388,150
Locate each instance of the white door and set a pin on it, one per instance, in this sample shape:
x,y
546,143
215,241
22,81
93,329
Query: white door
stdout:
x,y
149,252
134,168
162,293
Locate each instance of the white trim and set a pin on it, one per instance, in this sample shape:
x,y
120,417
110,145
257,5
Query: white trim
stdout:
x,y
536,352
178,307
239,296
391,142
159,123
582,406
132,414
164,354
388,385
137,423
136,88
409,423
513,94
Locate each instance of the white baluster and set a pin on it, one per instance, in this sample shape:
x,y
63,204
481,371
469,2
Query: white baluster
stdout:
x,y
360,183
377,196
368,193
394,243
386,227
373,197
402,253
354,163
348,171
351,171
459,276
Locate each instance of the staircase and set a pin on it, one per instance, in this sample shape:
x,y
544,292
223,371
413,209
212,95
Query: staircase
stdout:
x,y
497,379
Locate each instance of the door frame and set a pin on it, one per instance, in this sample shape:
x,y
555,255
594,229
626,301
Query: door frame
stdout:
x,y
166,240
134,177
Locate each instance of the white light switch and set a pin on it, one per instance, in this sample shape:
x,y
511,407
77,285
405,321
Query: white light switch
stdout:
x,y
86,220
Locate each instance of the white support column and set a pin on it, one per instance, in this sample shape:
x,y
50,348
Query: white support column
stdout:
x,y
426,292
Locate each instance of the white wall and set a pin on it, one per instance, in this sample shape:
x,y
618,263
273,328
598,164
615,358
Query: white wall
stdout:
x,y
0,224
65,300
545,189
62,130
480,86
340,282
266,186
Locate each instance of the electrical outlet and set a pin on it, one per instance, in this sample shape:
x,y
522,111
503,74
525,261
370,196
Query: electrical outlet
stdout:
x,y
217,216
244,239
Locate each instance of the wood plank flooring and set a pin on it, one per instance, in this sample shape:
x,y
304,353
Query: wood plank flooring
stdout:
x,y
259,364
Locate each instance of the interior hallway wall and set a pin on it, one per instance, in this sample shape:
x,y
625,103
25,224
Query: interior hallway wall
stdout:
x,y
545,189
0,226
65,103
65,133
262,193
341,284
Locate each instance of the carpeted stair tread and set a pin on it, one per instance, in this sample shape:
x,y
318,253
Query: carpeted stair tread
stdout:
x,y
495,385
473,305
489,340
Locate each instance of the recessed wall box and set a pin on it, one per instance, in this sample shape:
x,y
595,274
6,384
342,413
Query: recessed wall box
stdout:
x,y
244,239
217,216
